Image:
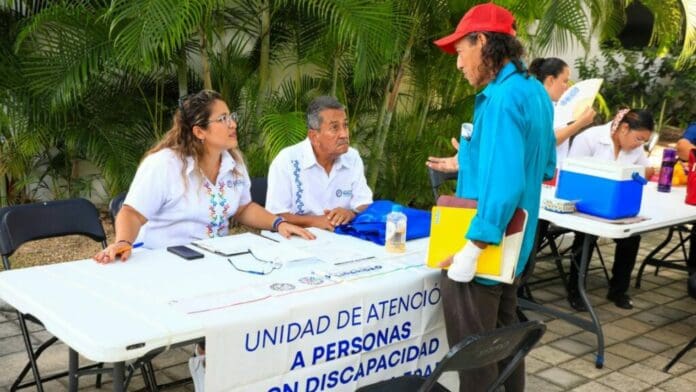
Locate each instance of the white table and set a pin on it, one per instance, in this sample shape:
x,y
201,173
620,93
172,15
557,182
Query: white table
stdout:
x,y
663,210
123,311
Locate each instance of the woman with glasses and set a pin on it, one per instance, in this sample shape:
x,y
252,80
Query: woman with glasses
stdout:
x,y
190,184
619,140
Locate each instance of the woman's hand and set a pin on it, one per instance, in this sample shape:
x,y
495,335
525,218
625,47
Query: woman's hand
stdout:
x,y
120,249
287,230
448,164
586,117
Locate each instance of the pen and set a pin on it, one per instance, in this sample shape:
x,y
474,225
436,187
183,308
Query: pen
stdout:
x,y
138,245
354,260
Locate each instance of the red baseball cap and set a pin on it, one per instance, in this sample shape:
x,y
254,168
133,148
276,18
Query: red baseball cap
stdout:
x,y
483,17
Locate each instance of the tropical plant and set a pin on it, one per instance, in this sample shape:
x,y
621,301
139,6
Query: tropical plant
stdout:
x,y
99,79
644,79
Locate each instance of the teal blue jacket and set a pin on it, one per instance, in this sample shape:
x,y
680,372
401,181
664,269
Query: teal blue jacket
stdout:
x,y
511,150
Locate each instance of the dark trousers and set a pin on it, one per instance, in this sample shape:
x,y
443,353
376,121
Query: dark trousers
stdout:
x,y
472,308
624,260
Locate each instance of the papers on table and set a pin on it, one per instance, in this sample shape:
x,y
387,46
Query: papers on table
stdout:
x,y
330,247
354,270
262,248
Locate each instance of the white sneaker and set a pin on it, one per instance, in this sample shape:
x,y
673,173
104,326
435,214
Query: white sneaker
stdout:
x,y
462,271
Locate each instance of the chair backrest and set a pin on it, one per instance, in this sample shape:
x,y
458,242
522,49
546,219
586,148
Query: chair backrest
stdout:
x,y
258,190
437,178
475,351
28,222
115,205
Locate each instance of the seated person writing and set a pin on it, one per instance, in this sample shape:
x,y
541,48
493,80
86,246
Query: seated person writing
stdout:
x,y
190,184
620,140
319,182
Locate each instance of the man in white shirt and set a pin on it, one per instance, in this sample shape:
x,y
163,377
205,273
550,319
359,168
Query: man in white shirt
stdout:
x,y
319,182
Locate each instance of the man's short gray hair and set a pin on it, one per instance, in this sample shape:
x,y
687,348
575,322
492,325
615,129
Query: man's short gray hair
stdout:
x,y
317,106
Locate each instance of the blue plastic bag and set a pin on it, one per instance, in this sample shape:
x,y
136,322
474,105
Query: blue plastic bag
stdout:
x,y
371,224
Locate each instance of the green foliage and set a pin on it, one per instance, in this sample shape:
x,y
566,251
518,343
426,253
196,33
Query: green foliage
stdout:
x,y
642,79
282,130
98,80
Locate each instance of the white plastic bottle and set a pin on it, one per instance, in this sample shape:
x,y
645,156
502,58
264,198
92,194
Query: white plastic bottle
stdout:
x,y
395,240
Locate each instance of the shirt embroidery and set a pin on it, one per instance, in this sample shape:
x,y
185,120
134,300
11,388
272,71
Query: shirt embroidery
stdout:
x,y
298,193
218,209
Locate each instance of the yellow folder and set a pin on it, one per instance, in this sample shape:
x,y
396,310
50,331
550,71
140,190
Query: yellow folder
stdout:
x,y
449,224
447,230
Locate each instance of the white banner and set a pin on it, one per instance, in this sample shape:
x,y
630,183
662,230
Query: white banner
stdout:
x,y
337,338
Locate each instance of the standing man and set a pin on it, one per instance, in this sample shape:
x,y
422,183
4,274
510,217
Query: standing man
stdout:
x,y
684,146
502,164
319,182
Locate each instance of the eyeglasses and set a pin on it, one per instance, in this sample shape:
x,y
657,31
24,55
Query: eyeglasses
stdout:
x,y
225,119
273,264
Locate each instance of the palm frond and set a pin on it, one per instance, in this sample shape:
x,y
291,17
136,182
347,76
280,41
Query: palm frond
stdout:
x,y
61,49
563,21
687,54
147,33
667,28
281,130
606,18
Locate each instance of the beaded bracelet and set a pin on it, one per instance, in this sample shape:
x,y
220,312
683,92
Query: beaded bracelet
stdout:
x,y
277,223
126,241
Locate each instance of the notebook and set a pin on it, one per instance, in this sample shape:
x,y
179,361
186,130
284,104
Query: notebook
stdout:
x,y
449,224
231,245
262,247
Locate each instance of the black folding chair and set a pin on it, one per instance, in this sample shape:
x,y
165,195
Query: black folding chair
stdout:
x,y
686,234
20,224
513,343
259,185
691,286
115,206
438,179
145,363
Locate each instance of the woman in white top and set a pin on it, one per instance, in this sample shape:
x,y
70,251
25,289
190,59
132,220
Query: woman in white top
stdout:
x,y
620,140
190,184
554,74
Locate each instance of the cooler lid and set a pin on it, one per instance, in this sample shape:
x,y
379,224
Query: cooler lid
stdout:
x,y
611,170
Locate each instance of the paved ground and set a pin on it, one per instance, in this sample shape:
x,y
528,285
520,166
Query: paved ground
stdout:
x,y
639,342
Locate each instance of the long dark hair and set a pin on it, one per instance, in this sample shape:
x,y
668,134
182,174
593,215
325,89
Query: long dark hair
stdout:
x,y
499,47
636,119
194,109
542,68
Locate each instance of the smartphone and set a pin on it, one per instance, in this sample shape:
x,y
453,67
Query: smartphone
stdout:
x,y
185,252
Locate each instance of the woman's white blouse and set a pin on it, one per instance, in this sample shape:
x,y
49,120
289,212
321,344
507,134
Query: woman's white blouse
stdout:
x,y
596,142
179,211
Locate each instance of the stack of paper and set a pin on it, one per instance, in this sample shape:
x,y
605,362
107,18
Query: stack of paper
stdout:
x,y
330,247
262,248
